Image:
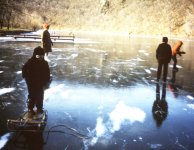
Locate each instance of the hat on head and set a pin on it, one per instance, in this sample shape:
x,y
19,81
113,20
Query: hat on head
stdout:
x,y
38,51
165,39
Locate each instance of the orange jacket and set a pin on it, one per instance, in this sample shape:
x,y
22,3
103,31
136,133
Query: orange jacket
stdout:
x,y
176,48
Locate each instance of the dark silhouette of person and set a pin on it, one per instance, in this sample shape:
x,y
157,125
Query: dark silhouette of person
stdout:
x,y
37,75
175,51
160,106
163,56
46,40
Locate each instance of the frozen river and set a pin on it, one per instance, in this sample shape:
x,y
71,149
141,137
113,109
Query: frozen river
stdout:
x,y
104,87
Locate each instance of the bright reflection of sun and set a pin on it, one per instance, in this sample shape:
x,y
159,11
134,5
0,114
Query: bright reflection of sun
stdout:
x,y
117,117
122,113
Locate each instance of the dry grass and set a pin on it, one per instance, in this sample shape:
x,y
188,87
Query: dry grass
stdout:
x,y
144,17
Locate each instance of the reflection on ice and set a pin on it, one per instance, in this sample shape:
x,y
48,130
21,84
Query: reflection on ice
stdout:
x,y
144,52
73,56
6,90
123,113
53,90
190,106
178,66
155,146
154,69
1,71
18,72
100,127
190,97
4,139
139,59
148,71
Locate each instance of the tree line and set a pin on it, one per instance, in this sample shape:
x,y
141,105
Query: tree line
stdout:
x,y
25,13
9,10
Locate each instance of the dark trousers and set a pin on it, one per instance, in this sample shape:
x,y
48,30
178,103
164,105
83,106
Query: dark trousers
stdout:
x,y
175,61
163,65
35,97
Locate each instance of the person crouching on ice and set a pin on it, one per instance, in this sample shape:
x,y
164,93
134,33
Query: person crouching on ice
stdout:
x,y
36,73
175,51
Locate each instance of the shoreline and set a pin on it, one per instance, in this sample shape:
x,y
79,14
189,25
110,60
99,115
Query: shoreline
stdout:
x,y
5,32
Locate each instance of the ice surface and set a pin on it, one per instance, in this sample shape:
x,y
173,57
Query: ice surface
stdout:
x,y
4,139
6,90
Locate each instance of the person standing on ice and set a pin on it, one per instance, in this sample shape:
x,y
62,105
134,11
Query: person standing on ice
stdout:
x,y
175,51
163,56
46,40
36,73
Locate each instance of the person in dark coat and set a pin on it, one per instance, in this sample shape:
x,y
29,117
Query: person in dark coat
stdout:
x,y
36,73
163,56
46,40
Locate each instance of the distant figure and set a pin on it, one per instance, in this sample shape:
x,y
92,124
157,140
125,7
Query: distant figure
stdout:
x,y
46,40
175,51
160,106
37,74
163,55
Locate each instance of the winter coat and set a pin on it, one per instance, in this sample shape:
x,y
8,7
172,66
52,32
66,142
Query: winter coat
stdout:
x,y
176,48
164,53
46,41
36,72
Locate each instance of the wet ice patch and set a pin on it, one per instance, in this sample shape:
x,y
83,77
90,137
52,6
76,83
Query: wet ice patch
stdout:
x,y
104,130
66,93
53,90
191,106
144,52
190,97
155,146
6,90
178,66
148,71
4,139
140,138
139,59
73,56
100,127
122,113
79,40
18,72
154,69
